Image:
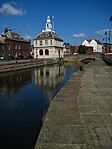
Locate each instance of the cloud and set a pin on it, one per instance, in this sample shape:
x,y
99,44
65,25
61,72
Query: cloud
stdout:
x,y
28,24
9,9
81,35
101,32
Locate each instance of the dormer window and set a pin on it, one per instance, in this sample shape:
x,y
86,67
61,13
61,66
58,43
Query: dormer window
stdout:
x,y
47,34
16,37
41,35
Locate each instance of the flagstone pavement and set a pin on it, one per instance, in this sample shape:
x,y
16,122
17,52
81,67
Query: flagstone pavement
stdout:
x,y
80,115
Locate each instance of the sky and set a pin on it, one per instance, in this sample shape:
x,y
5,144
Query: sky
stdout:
x,y
73,20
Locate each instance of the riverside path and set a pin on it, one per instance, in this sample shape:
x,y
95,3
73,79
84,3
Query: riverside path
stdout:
x,y
80,115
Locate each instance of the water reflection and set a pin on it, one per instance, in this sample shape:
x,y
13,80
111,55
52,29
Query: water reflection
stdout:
x,y
11,82
24,97
49,76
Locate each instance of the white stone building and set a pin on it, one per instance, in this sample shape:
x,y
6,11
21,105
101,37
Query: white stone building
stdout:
x,y
96,44
48,44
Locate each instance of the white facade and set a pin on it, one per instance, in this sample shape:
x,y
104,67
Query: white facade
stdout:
x,y
97,45
48,44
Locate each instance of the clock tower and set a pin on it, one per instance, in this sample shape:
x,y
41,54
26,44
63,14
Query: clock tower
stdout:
x,y
48,44
48,25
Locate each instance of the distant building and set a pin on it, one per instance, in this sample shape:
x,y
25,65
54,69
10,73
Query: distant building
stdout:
x,y
74,49
96,44
48,44
16,46
66,49
107,48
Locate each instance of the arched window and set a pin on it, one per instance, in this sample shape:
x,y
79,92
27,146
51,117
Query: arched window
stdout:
x,y
41,52
46,52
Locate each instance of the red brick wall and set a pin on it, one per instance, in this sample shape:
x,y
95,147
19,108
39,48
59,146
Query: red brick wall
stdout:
x,y
14,47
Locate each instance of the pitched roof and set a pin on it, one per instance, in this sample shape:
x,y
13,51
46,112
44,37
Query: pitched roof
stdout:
x,y
89,40
48,35
2,42
14,36
98,42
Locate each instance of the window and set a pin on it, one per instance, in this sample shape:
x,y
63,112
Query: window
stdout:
x,y
9,48
46,42
47,25
41,35
3,47
47,34
40,42
16,46
51,42
41,52
19,47
46,52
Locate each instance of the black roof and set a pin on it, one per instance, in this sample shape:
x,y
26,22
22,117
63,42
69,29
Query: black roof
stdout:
x,y
48,35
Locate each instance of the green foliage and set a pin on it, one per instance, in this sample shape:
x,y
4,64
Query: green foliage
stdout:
x,y
62,61
82,49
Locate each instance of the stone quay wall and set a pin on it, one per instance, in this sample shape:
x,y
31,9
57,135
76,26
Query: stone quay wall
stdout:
x,y
80,115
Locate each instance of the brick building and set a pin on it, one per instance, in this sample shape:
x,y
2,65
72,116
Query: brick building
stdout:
x,y
107,48
2,48
16,46
74,49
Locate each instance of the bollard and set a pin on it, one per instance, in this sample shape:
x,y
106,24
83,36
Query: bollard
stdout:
x,y
81,68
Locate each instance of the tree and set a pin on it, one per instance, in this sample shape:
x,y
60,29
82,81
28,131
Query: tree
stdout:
x,y
82,49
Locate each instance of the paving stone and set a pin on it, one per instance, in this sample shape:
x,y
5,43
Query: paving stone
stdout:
x,y
88,109
60,146
65,99
63,118
80,115
63,106
96,118
61,134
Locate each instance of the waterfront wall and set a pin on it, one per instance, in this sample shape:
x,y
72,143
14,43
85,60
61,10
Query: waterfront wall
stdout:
x,y
80,115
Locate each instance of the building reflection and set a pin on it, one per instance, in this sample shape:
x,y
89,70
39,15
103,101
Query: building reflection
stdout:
x,y
13,81
49,77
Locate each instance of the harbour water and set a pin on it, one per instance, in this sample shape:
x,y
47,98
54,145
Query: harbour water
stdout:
x,y
24,99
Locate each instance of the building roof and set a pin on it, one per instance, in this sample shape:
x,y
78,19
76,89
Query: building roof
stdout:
x,y
98,42
89,40
14,36
48,35
2,42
